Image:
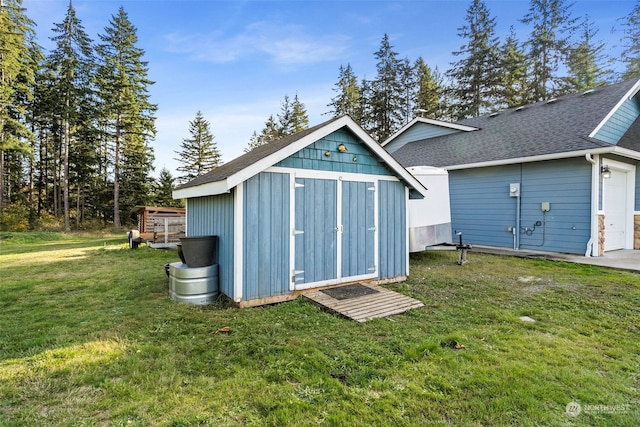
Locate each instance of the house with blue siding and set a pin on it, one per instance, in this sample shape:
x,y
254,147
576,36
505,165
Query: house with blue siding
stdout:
x,y
323,207
560,176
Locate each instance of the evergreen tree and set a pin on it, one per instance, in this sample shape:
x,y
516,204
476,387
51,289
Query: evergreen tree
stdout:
x,y
17,51
269,133
292,117
631,39
407,77
430,100
548,46
348,98
385,100
475,75
198,154
163,190
585,59
513,86
72,62
284,117
299,118
128,115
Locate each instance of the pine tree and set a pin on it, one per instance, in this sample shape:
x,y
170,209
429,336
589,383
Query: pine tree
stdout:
x,y
269,133
72,62
585,60
513,87
198,154
348,98
631,39
17,51
129,121
292,117
408,80
548,46
475,75
163,190
284,117
299,118
430,100
385,100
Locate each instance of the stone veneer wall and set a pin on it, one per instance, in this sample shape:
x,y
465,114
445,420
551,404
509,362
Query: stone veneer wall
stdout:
x,y
636,232
600,235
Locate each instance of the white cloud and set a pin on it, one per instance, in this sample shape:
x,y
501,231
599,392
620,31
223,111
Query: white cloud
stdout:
x,y
283,44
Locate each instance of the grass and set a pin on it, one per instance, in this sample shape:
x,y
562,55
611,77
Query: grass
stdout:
x,y
89,337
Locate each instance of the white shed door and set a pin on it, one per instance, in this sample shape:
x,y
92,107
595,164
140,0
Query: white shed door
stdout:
x,y
615,208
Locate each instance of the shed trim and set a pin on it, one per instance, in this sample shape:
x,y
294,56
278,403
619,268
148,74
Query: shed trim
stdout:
x,y
238,248
317,174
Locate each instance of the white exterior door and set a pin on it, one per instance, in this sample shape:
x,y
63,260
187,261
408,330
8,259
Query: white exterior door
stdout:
x,y
618,206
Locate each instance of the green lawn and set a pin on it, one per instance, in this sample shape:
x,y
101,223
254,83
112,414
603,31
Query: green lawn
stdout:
x,y
88,336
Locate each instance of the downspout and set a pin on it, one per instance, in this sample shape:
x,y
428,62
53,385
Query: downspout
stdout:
x,y
593,243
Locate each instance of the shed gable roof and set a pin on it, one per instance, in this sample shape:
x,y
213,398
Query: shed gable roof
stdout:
x,y
229,175
552,128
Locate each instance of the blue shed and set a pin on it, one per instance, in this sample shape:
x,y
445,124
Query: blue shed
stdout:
x,y
561,175
325,206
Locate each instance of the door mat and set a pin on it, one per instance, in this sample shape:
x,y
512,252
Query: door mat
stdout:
x,y
349,291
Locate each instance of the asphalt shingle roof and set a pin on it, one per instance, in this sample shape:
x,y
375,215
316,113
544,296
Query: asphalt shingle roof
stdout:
x,y
247,159
562,125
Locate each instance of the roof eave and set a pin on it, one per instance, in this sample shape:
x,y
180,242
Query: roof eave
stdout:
x,y
555,156
202,190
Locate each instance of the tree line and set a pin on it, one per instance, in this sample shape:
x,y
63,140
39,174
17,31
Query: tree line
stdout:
x,y
76,123
561,55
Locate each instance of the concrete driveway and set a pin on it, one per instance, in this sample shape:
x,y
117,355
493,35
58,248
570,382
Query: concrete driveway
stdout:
x,y
623,259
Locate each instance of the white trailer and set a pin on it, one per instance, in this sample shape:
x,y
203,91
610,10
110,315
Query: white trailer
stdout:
x,y
430,218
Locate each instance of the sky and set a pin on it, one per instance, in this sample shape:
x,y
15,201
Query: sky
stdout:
x,y
236,60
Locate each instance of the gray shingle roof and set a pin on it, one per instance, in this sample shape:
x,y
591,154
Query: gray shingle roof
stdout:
x,y
534,130
631,139
247,159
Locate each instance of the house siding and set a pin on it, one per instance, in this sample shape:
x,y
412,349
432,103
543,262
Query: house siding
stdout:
x,y
392,209
266,270
416,133
213,215
619,122
314,156
482,209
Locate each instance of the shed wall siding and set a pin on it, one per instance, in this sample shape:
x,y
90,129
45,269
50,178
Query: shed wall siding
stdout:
x,y
416,133
213,215
314,156
393,230
620,122
483,211
266,270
